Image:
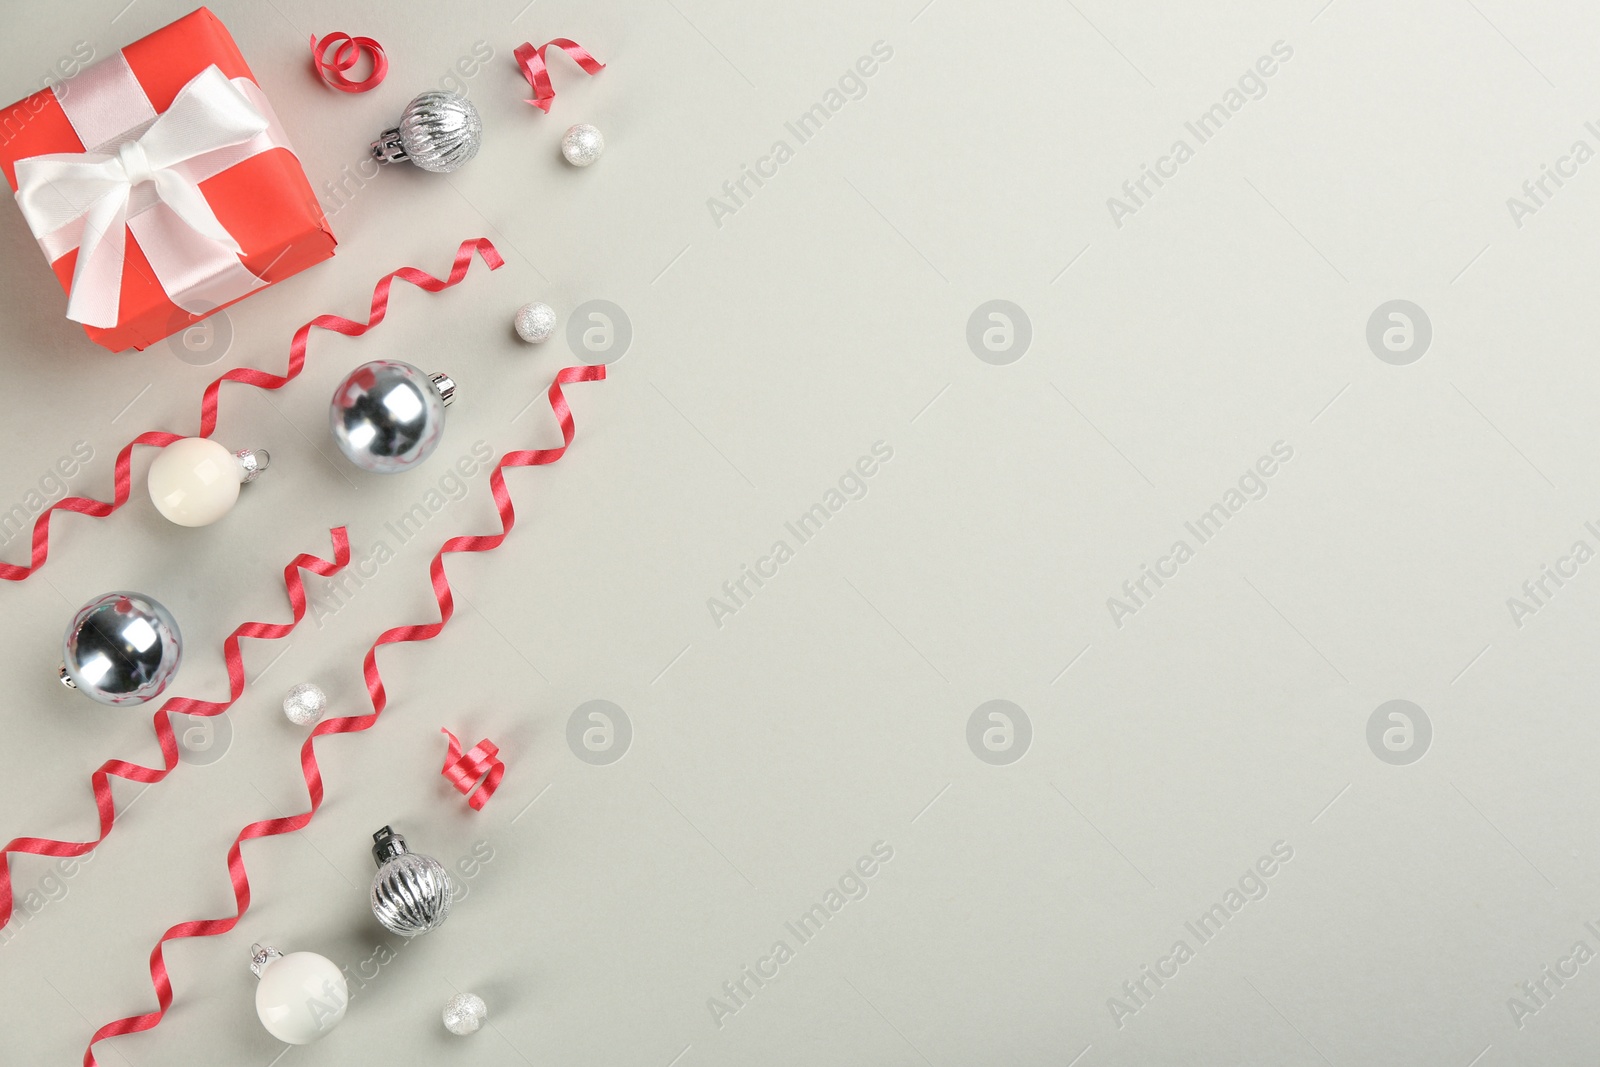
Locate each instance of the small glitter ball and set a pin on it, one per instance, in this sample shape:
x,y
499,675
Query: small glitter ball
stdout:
x,y
465,1014
304,704
535,322
582,145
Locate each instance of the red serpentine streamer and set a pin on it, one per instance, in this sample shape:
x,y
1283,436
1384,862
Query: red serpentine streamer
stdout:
x,y
123,481
333,70
463,772
353,723
531,60
100,781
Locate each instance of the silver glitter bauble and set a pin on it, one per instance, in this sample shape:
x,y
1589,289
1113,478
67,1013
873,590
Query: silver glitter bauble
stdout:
x,y
388,416
411,893
465,1014
535,322
438,131
121,648
582,144
304,704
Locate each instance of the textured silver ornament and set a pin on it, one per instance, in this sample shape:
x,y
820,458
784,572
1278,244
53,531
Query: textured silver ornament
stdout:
x,y
121,648
304,704
465,1014
438,131
535,322
411,893
582,144
388,416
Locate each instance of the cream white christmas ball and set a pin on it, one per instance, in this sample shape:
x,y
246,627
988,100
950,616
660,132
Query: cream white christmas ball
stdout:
x,y
195,481
301,997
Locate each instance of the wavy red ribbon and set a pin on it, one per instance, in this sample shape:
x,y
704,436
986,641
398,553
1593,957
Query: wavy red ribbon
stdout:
x,y
332,71
100,781
354,723
380,309
463,772
531,60
123,481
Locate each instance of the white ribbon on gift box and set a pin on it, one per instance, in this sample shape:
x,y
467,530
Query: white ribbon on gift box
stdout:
x,y
143,176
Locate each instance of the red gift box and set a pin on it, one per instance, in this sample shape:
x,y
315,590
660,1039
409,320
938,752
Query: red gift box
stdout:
x,y
214,203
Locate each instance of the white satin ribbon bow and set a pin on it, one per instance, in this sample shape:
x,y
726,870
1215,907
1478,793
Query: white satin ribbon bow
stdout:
x,y
85,200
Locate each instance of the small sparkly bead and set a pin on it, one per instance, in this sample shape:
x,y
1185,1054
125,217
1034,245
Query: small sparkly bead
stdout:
x,y
535,322
465,1014
582,145
304,704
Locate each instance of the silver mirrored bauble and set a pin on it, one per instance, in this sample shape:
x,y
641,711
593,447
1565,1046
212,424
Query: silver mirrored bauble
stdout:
x,y
439,131
388,416
465,1014
304,704
582,144
121,648
411,893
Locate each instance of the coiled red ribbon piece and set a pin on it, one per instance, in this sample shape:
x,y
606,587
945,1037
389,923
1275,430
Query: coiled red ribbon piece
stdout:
x,y
463,772
333,70
354,723
100,781
123,481
531,60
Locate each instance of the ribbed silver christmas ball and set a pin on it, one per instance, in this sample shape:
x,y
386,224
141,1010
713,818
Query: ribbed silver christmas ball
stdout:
x,y
411,893
438,131
120,649
388,416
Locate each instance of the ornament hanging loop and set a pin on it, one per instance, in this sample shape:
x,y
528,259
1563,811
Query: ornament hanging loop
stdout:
x,y
252,461
260,956
388,149
386,845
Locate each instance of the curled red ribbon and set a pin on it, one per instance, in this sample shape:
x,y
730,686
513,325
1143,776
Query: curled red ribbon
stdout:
x,y
464,772
100,781
333,70
531,60
354,723
123,481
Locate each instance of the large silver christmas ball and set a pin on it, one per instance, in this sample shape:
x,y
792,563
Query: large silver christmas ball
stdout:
x,y
439,131
121,648
411,893
388,416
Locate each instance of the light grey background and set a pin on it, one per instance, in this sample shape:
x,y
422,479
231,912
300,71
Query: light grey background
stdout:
x,y
830,311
